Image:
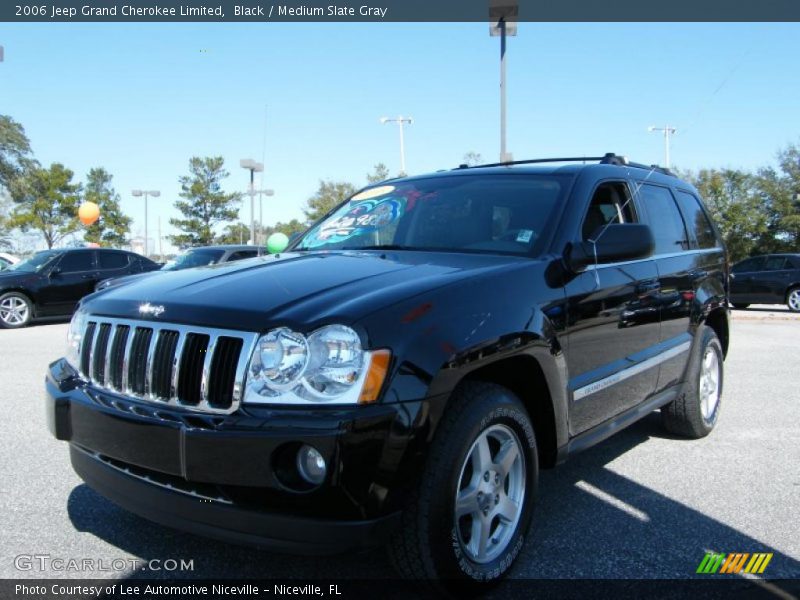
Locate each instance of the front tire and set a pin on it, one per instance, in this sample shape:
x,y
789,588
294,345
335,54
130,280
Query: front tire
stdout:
x,y
695,411
16,310
466,523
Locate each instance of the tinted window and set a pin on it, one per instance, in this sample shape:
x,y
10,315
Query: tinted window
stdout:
x,y
194,258
775,263
113,260
477,213
610,204
72,262
665,219
696,220
751,264
242,254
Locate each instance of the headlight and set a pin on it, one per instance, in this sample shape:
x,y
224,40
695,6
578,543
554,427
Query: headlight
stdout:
x,y
74,337
328,366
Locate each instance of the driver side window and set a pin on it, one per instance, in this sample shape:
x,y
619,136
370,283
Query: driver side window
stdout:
x,y
611,203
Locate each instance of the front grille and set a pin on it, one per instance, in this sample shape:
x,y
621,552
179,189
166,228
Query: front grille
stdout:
x,y
193,367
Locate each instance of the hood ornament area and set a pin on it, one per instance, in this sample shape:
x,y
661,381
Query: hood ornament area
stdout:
x,y
154,310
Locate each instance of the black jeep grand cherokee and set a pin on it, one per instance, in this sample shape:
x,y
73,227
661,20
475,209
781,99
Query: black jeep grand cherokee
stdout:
x,y
402,372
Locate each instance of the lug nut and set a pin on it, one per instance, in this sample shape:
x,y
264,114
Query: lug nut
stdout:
x,y
486,476
497,498
496,478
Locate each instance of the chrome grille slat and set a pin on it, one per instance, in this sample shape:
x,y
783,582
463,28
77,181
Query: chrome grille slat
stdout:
x,y
176,367
152,359
148,368
206,373
107,372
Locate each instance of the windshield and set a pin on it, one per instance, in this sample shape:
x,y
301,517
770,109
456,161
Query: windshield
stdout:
x,y
505,214
194,258
36,262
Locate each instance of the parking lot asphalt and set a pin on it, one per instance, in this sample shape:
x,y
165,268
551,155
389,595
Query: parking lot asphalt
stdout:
x,y
642,504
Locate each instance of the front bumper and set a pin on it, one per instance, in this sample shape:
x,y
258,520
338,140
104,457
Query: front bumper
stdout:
x,y
222,476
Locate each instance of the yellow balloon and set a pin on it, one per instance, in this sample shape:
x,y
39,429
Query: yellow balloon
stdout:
x,y
88,213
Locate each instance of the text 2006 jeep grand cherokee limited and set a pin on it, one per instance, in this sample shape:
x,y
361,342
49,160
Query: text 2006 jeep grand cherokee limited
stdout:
x,y
401,373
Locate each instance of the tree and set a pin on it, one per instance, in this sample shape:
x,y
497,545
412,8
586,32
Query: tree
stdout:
x,y
731,198
234,233
5,213
15,152
113,227
472,159
205,204
47,202
380,173
778,190
329,195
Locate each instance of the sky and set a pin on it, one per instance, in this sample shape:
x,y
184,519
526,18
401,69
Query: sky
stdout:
x,y
141,99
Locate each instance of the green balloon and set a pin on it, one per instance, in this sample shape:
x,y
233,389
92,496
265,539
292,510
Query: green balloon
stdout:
x,y
277,242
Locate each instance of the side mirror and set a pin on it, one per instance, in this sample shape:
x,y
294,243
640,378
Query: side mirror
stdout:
x,y
618,242
55,272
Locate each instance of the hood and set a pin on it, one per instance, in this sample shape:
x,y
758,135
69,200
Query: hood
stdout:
x,y
299,290
16,277
126,279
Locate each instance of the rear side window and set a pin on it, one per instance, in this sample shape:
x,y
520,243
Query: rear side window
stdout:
x,y
73,262
751,264
112,260
775,263
665,219
696,220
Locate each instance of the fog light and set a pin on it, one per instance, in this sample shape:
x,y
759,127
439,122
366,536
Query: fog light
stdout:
x,y
311,465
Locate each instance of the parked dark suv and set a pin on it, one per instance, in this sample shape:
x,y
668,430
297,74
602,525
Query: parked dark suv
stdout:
x,y
51,282
770,279
402,372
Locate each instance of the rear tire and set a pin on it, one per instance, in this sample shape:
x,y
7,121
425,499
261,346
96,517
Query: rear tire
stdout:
x,y
695,411
793,299
483,467
16,310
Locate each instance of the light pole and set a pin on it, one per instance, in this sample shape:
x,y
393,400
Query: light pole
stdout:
x,y
146,193
503,15
668,131
254,167
401,120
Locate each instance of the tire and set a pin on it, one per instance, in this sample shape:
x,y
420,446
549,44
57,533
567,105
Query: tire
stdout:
x,y
16,310
793,299
431,545
739,305
694,413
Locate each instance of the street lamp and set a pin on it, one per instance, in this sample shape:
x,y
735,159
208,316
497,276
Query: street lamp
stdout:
x,y
146,193
401,120
254,167
504,13
668,131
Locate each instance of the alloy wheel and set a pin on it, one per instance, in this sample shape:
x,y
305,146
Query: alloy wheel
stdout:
x,y
14,311
490,494
709,383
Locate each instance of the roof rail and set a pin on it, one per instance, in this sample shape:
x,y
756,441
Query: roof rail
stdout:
x,y
609,158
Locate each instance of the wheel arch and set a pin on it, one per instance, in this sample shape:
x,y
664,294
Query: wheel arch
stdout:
x,y
535,382
718,320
